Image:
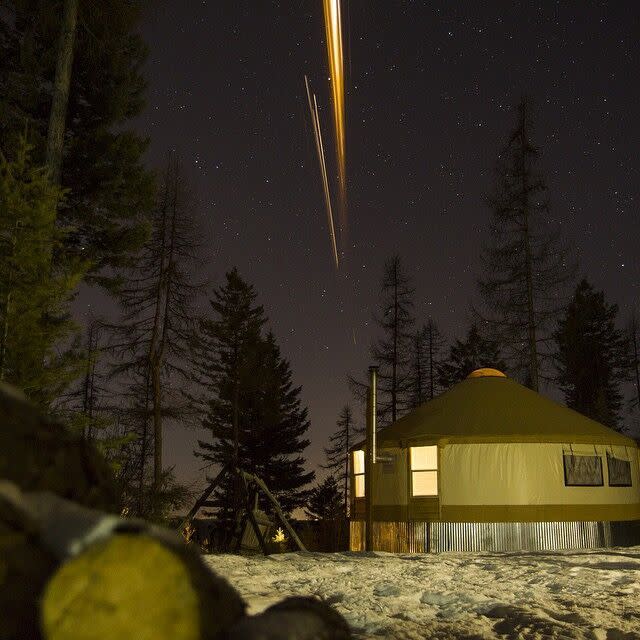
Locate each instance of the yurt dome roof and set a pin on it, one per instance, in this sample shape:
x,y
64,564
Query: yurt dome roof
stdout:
x,y
489,407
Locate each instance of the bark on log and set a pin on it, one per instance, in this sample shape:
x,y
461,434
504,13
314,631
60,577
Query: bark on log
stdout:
x,y
106,577
39,454
25,567
297,618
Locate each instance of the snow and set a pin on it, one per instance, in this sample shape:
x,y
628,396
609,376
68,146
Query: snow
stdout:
x,y
564,594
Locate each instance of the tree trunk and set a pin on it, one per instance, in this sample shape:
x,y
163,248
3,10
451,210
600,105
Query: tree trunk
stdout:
x,y
346,469
154,363
159,355
430,361
62,82
5,334
394,373
531,326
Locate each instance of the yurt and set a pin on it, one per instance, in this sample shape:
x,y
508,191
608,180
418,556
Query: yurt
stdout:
x,y
492,465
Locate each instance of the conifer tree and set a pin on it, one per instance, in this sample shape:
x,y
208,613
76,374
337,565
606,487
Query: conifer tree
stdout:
x,y
475,352
154,339
99,161
35,323
591,356
325,502
391,353
281,424
425,358
525,268
250,405
337,453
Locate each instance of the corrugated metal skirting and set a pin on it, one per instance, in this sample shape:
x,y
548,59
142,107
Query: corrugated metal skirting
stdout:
x,y
418,537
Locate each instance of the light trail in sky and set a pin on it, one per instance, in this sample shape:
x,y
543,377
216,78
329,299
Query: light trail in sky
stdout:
x,y
333,29
315,119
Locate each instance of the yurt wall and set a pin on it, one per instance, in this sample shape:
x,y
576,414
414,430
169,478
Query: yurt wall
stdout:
x,y
501,482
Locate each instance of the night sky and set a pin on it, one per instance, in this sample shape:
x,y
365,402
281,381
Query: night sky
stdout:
x,y
431,86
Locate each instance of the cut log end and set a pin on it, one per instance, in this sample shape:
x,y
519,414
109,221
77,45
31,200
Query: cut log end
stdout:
x,y
133,586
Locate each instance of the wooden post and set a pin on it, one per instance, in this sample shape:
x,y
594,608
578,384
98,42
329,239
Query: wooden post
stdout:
x,y
370,457
200,502
276,506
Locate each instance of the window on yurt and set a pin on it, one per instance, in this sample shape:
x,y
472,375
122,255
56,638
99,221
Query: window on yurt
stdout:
x,y
424,471
358,473
582,470
619,471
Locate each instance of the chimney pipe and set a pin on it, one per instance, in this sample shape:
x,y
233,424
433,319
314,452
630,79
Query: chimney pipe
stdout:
x,y
370,459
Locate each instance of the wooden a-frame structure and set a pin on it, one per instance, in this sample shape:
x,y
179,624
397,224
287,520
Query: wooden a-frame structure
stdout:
x,y
252,485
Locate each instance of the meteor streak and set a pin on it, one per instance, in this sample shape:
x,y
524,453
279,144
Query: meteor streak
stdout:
x,y
333,28
315,119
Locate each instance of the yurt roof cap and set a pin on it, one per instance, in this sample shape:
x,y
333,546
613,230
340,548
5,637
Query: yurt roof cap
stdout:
x,y
490,407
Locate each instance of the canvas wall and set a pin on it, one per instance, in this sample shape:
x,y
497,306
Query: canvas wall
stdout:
x,y
528,474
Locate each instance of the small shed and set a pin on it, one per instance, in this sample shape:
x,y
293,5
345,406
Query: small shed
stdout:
x,y
492,465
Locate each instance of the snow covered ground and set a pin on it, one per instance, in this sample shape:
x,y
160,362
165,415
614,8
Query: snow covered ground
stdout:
x,y
586,594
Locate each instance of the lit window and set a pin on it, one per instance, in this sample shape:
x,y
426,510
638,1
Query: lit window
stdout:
x,y
358,473
424,471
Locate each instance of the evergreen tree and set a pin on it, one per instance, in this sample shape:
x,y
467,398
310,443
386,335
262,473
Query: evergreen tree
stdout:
x,y
34,295
591,356
158,325
525,267
108,190
250,405
281,425
425,358
392,352
325,502
337,453
476,352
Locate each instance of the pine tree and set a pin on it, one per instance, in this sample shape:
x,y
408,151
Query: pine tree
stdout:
x,y
34,295
392,352
325,502
158,324
425,358
591,356
476,352
281,424
337,453
108,190
525,266
250,405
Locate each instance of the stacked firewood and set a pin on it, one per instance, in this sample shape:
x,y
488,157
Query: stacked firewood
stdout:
x,y
71,570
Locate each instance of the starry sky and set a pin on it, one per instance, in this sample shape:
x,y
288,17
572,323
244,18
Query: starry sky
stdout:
x,y
430,93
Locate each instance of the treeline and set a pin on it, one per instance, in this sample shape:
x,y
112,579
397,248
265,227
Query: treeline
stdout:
x,y
78,206
535,320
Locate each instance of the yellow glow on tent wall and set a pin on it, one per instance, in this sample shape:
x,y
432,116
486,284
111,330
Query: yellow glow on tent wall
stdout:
x,y
333,28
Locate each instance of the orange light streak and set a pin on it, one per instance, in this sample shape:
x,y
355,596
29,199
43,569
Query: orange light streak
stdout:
x,y
333,29
315,119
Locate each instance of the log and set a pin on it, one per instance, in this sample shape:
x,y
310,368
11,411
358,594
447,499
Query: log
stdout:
x,y
136,586
25,567
111,578
37,453
296,618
